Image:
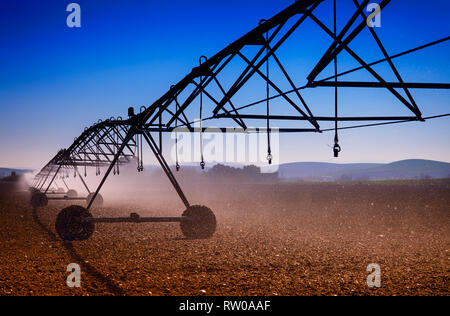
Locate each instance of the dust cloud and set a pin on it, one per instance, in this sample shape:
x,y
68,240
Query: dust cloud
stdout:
x,y
272,238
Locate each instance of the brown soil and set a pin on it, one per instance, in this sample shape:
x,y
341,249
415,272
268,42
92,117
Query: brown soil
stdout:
x,y
272,239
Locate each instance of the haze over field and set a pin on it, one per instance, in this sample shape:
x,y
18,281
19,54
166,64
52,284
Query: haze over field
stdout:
x,y
5,172
405,169
307,171
272,239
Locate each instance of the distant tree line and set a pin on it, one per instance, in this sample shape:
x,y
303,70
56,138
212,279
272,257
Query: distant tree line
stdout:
x,y
247,173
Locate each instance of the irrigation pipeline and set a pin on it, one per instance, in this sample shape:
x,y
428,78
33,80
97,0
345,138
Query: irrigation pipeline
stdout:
x,y
387,123
445,39
358,126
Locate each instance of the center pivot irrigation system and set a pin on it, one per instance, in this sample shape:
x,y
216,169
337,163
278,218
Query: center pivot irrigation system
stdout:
x,y
109,144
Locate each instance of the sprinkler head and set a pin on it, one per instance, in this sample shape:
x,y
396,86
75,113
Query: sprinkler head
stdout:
x,y
131,112
336,149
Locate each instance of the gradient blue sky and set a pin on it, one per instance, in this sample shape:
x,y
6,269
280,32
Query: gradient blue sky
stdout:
x,y
54,80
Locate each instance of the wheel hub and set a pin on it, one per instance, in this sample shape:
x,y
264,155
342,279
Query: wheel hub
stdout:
x,y
70,224
201,224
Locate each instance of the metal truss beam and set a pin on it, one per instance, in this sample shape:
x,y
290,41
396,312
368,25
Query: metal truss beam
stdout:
x,y
359,84
114,142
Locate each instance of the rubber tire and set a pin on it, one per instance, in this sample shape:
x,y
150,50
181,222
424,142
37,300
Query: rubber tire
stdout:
x,y
39,199
69,226
72,194
98,200
33,190
202,224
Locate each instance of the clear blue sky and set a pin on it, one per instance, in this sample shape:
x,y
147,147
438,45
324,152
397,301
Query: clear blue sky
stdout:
x,y
54,80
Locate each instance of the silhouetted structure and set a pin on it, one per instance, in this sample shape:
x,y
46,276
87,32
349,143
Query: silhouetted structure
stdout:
x,y
116,141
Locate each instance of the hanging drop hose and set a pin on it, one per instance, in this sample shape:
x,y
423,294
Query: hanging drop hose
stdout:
x,y
142,153
177,164
337,148
202,163
141,167
85,166
269,149
137,152
118,140
96,156
114,148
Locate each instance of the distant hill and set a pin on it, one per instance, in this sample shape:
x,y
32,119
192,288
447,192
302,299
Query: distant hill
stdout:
x,y
406,169
305,170
319,171
6,172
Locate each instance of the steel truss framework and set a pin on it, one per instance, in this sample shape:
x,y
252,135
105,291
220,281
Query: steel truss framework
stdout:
x,y
111,143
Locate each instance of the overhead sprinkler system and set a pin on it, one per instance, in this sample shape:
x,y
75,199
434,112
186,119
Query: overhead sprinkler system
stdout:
x,y
107,145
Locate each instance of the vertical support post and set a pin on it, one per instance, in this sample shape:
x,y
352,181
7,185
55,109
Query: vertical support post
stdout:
x,y
82,180
166,168
35,182
41,185
53,179
38,182
112,165
65,184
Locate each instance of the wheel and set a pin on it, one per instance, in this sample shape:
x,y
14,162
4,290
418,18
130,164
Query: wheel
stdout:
x,y
33,190
201,224
70,226
72,194
39,199
97,202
